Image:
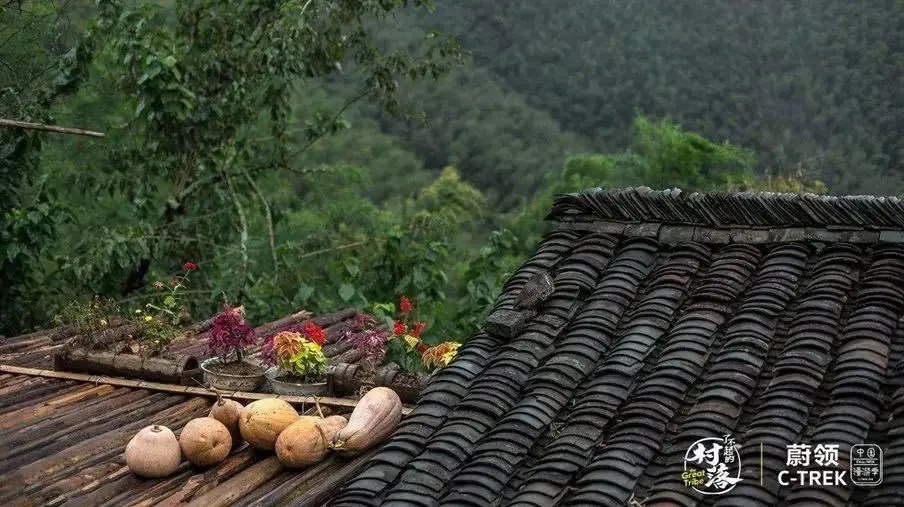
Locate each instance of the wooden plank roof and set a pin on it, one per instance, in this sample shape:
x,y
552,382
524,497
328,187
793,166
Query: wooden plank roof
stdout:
x,y
649,342
62,442
62,439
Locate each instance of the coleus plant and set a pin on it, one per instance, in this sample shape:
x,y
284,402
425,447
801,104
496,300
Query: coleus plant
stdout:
x,y
298,353
440,355
230,334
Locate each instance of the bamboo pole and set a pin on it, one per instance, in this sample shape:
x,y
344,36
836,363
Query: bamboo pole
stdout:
x,y
49,128
171,388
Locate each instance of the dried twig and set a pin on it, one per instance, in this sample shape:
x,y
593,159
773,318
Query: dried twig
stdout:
x,y
317,404
49,128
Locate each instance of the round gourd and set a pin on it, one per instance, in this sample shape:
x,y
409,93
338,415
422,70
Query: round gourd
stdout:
x,y
228,412
307,440
205,441
263,420
153,452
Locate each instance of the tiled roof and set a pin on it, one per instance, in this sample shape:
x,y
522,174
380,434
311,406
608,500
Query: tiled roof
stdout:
x,y
647,344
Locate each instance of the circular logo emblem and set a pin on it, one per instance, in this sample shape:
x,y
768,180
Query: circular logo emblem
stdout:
x,y
712,466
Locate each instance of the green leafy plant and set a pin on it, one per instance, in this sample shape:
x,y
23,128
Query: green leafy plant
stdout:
x,y
90,319
404,346
159,325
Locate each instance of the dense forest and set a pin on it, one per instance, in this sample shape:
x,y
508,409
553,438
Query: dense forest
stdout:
x,y
332,153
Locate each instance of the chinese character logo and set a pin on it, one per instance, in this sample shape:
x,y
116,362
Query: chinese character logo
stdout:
x,y
712,466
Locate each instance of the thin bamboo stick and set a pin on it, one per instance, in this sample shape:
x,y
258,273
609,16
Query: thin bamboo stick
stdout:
x,y
49,128
172,388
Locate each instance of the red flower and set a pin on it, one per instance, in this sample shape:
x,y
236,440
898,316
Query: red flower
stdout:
x,y
421,347
176,281
314,332
399,329
405,304
190,266
418,328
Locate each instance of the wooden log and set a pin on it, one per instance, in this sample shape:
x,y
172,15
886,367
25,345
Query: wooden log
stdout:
x,y
275,326
337,348
341,378
195,391
49,128
386,374
338,331
335,318
349,356
240,485
161,369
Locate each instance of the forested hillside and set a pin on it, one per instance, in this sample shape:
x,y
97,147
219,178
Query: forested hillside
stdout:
x,y
328,154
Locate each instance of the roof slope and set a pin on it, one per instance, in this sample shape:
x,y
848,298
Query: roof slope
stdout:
x,y
774,318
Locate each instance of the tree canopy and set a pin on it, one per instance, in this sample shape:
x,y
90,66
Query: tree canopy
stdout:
x,y
328,154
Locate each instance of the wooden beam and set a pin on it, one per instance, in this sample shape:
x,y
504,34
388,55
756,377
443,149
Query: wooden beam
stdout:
x,y
172,388
49,128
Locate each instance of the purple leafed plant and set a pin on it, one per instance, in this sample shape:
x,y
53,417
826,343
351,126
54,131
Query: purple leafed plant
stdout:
x,y
230,333
369,337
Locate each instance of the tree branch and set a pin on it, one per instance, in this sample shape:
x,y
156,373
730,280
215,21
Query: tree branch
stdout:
x,y
270,232
49,128
244,224
333,120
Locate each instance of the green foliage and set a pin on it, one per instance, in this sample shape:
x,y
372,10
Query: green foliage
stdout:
x,y
802,83
267,140
90,318
308,363
400,352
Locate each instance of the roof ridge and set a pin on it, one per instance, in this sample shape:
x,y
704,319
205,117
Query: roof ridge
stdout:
x,y
723,209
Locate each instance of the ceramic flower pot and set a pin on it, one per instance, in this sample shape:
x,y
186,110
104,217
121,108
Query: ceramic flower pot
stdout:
x,y
228,381
292,388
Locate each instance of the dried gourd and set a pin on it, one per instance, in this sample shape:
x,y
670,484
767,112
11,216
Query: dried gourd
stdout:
x,y
263,420
205,441
307,440
153,452
374,418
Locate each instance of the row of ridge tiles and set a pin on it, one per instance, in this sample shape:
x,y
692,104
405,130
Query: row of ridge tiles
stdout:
x,y
642,204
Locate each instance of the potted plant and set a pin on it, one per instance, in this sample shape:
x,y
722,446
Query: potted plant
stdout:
x,y
105,342
228,369
298,366
158,325
440,355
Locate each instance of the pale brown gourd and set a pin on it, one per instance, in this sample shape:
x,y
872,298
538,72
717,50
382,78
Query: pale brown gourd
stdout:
x,y
205,441
153,452
263,420
374,418
307,440
228,412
